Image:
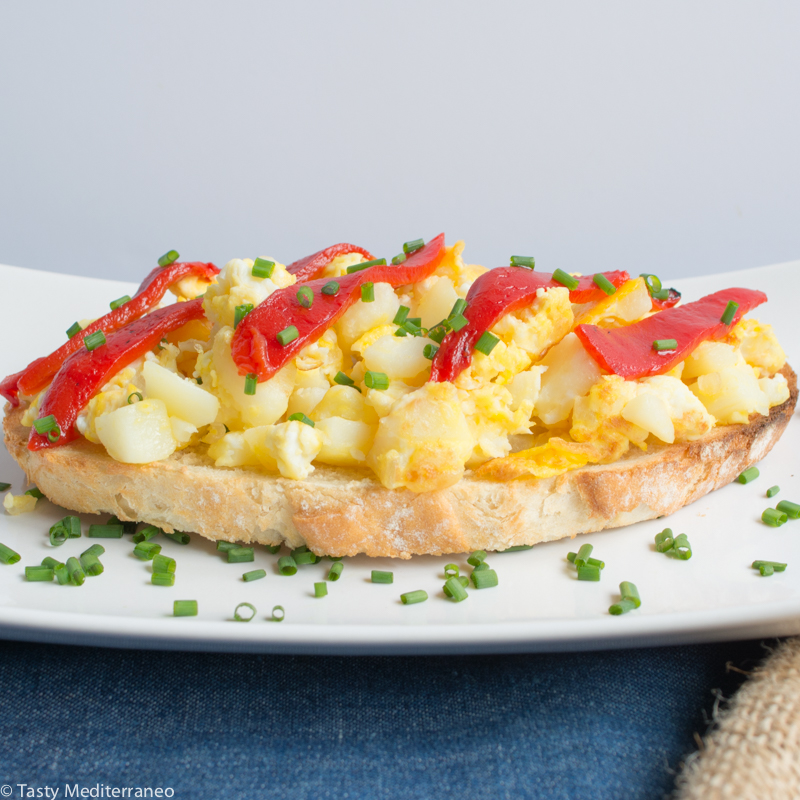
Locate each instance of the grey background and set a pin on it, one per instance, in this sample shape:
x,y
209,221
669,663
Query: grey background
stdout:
x,y
593,135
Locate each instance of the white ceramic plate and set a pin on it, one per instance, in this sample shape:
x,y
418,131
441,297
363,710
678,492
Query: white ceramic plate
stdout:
x,y
539,604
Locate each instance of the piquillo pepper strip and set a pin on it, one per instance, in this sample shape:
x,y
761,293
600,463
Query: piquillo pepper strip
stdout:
x,y
629,352
255,347
495,294
39,373
307,268
84,372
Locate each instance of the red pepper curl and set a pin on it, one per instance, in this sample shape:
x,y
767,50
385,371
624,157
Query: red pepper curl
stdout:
x,y
495,294
83,374
307,268
255,347
39,373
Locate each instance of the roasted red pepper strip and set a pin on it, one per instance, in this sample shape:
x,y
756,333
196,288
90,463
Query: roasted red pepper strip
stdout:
x,y
84,372
255,347
628,351
307,268
39,373
495,294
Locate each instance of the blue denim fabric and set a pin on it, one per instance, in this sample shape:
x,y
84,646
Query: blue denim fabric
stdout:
x,y
582,725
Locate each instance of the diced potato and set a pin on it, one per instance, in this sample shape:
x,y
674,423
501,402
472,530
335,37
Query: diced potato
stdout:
x,y
710,357
293,446
384,400
19,504
347,441
346,402
361,316
688,415
182,430
776,389
233,450
526,386
437,302
759,346
182,397
732,394
650,412
424,442
138,433
398,357
304,401
571,372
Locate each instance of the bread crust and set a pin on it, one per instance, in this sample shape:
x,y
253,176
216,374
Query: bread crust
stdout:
x,y
343,512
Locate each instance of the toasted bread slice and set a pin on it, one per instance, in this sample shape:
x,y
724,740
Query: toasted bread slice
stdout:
x,y
343,512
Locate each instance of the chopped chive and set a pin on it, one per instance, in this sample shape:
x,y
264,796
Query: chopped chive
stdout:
x,y
458,322
147,551
240,312
653,283
379,576
604,283
45,424
774,517
402,315
665,344
8,556
623,607
330,288
628,591
94,340
178,537
73,526
184,608
451,570
483,565
413,246
58,535
790,509
262,268
749,475
477,557
287,565
250,383
91,564
95,550
410,598
399,259
135,394
146,534
120,301
729,313
376,262
565,279
766,570
105,531
484,578
459,307
35,492
343,380
367,292
302,559
164,564
681,547
273,548
437,333
523,261
454,590
39,574
334,558
74,330
305,296
76,573
254,575
162,579
241,555
287,335
54,435
4,486
278,614
516,548
581,559
463,580
301,417
773,490
170,257
486,343
588,572
244,617
376,380
429,351
571,557
320,589
778,566
297,550
51,563
595,562
335,572
62,574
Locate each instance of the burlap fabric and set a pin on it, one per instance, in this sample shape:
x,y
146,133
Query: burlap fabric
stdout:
x,y
753,751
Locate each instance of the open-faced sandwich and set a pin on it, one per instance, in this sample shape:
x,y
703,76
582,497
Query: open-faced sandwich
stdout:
x,y
421,406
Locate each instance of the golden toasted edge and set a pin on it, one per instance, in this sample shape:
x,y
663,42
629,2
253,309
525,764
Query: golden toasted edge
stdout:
x,y
345,512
